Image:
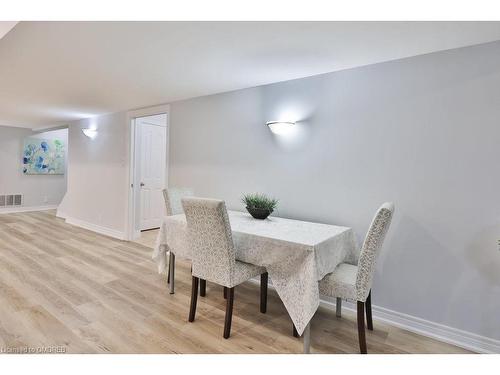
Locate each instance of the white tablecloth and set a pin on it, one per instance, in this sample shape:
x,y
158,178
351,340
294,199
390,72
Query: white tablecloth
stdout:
x,y
296,254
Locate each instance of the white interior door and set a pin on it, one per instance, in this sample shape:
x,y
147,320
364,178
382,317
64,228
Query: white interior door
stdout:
x,y
152,149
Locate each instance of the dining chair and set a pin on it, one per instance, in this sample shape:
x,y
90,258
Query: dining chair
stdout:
x,y
214,256
173,206
354,281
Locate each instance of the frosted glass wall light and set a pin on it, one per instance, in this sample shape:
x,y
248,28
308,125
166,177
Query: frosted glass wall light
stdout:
x,y
280,127
91,133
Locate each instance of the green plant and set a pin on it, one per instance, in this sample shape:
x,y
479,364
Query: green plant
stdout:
x,y
260,201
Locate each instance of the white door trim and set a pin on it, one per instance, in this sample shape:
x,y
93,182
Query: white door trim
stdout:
x,y
131,116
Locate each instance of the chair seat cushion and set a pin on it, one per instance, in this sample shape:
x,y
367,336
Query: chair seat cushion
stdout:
x,y
244,272
340,283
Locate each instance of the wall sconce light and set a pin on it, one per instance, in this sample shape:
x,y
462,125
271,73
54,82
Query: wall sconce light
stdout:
x,y
280,127
91,133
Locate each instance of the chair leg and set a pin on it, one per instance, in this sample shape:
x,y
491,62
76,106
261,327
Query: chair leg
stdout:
x,y
338,308
194,298
361,327
264,278
307,339
203,287
168,272
295,333
229,312
171,268
225,292
368,307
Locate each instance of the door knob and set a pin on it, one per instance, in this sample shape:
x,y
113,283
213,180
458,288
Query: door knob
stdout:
x,y
142,184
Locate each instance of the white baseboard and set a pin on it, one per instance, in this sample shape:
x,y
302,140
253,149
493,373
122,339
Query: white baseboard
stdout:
x,y
13,210
61,214
137,234
440,332
93,227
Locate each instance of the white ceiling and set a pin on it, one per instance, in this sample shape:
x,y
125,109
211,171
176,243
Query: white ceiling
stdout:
x,y
54,72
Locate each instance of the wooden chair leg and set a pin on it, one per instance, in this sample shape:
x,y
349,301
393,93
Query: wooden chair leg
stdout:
x,y
295,333
368,307
229,312
338,308
171,268
168,272
203,287
194,298
264,279
225,292
361,327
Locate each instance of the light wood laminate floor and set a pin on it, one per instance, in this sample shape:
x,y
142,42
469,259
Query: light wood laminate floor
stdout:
x,y
61,285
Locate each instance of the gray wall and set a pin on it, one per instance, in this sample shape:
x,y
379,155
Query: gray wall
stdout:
x,y
98,173
38,190
423,132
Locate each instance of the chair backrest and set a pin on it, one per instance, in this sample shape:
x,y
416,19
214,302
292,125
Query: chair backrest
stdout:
x,y
211,240
371,248
173,198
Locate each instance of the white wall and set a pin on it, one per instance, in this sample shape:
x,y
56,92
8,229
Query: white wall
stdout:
x,y
98,174
422,132
38,190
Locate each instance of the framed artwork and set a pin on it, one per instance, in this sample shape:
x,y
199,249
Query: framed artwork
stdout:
x,y
43,156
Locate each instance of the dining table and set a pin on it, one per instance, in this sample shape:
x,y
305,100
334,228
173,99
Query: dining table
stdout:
x,y
296,254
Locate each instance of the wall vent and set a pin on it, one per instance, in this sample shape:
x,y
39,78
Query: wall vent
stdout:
x,y
18,200
11,200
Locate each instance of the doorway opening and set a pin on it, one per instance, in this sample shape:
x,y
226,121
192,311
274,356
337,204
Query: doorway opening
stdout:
x,y
149,164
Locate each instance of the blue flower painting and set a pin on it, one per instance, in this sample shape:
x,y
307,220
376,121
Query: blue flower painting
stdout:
x,y
42,156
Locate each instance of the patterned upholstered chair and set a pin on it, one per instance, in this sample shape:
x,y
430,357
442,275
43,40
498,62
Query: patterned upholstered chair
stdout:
x,y
354,281
173,206
173,198
214,256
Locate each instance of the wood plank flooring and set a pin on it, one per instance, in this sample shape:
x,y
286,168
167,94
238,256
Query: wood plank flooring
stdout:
x,y
61,285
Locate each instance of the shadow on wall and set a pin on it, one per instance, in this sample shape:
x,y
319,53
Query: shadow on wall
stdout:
x,y
482,253
431,266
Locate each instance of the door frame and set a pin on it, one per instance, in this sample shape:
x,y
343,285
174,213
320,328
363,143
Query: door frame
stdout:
x,y
132,233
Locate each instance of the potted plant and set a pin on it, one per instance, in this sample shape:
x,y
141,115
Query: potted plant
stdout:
x,y
259,205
